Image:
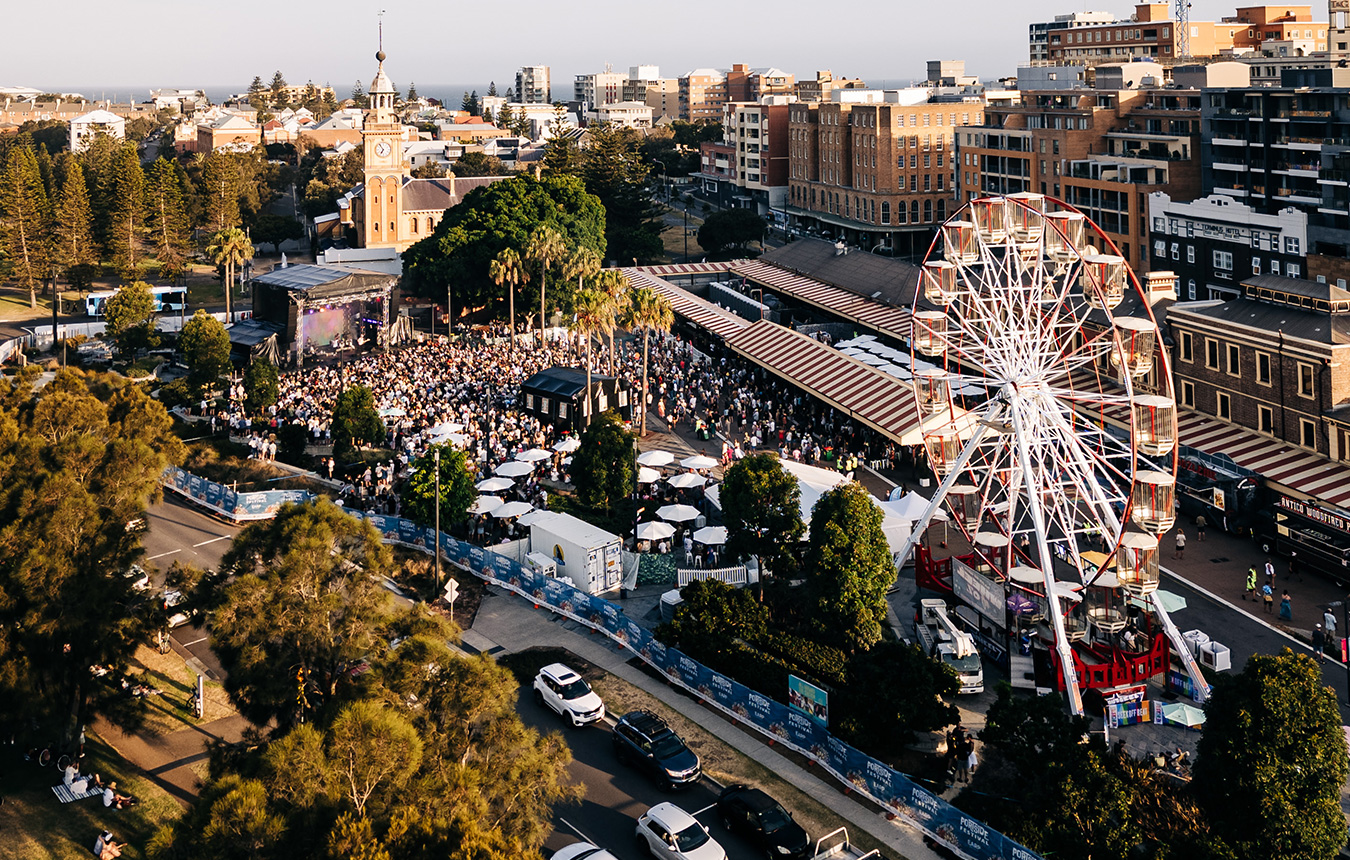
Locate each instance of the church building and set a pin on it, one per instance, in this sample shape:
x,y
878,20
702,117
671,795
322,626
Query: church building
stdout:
x,y
391,209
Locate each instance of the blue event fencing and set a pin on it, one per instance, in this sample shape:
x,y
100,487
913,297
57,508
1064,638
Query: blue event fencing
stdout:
x,y
873,779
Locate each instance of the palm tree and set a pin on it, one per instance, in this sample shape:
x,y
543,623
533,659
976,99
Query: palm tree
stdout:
x,y
230,248
613,283
506,269
547,248
649,311
594,315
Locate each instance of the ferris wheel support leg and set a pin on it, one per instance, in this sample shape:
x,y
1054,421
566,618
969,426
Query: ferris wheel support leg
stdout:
x,y
1198,682
1033,503
921,525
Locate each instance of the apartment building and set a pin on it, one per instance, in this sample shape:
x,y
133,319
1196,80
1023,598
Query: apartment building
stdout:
x,y
702,95
1102,150
87,126
1215,243
875,168
756,175
824,83
599,88
1275,360
662,95
1150,33
533,85
1261,27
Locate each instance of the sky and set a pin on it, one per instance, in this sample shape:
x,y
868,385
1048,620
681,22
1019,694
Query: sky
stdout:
x,y
194,43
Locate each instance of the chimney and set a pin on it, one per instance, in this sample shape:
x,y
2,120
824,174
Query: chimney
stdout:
x,y
1159,286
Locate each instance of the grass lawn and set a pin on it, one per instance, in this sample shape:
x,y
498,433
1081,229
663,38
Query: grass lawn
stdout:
x,y
168,711
673,239
34,825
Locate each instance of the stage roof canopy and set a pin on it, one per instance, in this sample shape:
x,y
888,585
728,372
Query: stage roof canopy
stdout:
x,y
324,281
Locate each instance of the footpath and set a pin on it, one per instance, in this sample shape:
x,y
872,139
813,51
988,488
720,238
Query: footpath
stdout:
x,y
506,622
176,761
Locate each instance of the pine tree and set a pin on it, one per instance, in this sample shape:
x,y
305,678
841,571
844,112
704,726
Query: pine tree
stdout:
x,y
279,99
25,217
44,166
125,194
219,190
257,93
492,88
359,95
166,217
74,223
475,106
465,104
505,118
95,159
412,92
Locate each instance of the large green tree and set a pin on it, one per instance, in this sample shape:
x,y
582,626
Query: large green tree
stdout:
x,y
457,489
166,217
848,567
303,606
648,311
356,422
262,386
273,230
205,345
1272,760
130,317
730,229
761,505
616,173
79,458
231,249
25,218
604,467
546,249
492,219
124,196
895,690
74,233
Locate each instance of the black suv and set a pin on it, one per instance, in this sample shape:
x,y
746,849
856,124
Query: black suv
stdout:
x,y
644,739
753,814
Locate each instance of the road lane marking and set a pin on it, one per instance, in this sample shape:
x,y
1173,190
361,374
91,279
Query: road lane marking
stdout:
x,y
161,555
577,830
212,540
194,642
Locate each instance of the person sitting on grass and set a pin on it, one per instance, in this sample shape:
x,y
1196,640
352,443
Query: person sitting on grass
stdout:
x,y
115,800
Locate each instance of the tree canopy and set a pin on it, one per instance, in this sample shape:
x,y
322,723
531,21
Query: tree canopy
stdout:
x,y
761,506
355,421
457,487
605,466
730,228
130,317
79,459
492,219
206,349
848,567
262,386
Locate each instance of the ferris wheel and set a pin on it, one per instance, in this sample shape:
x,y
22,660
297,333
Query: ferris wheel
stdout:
x,y
1047,413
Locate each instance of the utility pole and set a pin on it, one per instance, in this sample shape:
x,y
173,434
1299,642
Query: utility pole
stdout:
x,y
56,305
436,550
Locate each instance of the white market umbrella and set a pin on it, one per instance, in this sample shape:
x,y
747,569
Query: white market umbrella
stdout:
x,y
493,485
699,461
568,445
533,517
853,352
534,455
685,480
486,504
513,469
711,535
910,507
678,513
512,509
654,531
648,476
655,458
456,439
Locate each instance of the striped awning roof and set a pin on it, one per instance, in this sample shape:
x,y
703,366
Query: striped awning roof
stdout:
x,y
701,312
689,268
878,316
876,399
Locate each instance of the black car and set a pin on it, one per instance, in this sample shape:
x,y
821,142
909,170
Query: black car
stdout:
x,y
643,739
763,820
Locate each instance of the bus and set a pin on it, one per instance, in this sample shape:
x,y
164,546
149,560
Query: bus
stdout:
x,y
171,299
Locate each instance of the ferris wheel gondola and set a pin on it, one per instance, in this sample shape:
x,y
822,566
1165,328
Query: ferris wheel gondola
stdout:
x,y
1037,333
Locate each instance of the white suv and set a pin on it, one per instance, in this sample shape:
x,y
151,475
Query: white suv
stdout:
x,y
566,692
674,834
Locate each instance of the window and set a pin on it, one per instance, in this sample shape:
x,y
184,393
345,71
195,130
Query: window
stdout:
x,y
1293,270
1274,267
1291,244
1190,254
1188,394
1184,346
1190,289
1160,248
1223,405
1305,380
1256,265
562,409
1265,419
1307,433
1263,368
1234,360
529,401
1211,353
885,212
1176,251
927,211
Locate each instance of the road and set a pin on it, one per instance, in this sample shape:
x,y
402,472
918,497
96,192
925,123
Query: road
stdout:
x,y
616,795
179,531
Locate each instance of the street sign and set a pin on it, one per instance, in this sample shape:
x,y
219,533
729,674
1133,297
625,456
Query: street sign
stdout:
x,y
451,590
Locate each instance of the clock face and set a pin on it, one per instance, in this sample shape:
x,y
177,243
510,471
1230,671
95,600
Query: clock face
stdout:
x,y
382,149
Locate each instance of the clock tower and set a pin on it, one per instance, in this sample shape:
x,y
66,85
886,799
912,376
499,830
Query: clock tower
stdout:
x,y
385,170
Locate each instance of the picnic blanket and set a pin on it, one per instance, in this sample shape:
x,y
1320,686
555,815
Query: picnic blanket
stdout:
x,y
66,795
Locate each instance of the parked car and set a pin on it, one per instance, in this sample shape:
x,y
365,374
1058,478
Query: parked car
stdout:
x,y
763,820
564,691
137,578
178,615
673,834
643,739
582,851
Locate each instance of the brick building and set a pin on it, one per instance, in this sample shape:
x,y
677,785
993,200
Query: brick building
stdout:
x,y
875,167
756,175
703,95
1102,150
1275,360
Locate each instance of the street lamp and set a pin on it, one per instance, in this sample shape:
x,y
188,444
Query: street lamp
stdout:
x,y
436,550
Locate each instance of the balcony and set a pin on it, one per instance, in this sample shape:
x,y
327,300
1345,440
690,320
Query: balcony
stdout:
x,y
1310,114
1234,113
